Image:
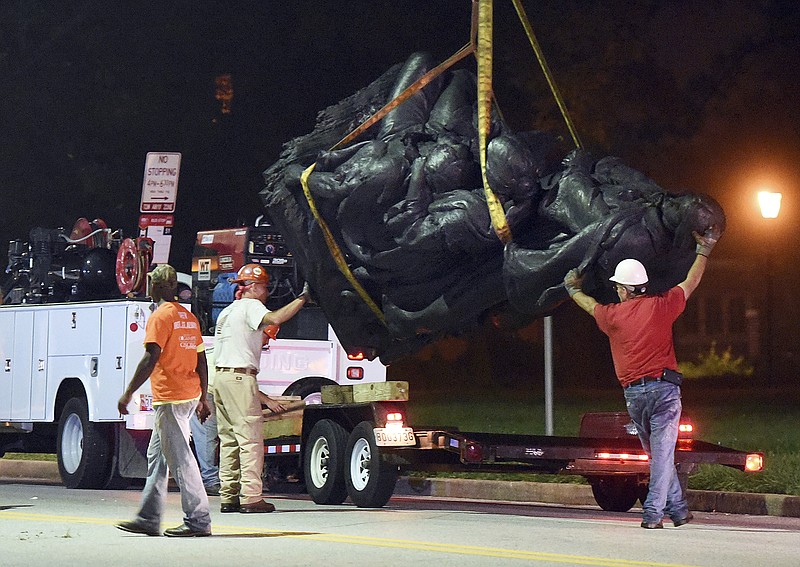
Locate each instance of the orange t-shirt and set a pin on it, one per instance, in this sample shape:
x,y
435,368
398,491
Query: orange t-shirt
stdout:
x,y
173,328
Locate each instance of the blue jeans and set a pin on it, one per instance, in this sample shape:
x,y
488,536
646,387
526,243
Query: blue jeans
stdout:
x,y
655,409
205,444
169,452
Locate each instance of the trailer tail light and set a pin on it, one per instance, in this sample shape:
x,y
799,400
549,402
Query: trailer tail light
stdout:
x,y
357,355
754,462
355,373
473,453
622,456
394,420
685,429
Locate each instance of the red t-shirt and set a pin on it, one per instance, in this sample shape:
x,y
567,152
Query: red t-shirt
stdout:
x,y
640,333
177,332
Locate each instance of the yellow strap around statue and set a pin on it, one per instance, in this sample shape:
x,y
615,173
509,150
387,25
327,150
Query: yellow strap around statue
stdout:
x,y
335,251
496,212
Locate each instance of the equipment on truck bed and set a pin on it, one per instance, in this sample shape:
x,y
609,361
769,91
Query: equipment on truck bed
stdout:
x,y
219,254
88,263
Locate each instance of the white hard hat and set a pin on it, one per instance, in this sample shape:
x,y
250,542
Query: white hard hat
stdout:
x,y
630,272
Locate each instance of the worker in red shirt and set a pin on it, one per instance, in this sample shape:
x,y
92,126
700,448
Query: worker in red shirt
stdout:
x,y
639,329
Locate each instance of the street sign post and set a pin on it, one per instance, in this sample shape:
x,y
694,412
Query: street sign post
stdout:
x,y
160,184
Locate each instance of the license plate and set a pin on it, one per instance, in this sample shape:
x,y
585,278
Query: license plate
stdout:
x,y
394,437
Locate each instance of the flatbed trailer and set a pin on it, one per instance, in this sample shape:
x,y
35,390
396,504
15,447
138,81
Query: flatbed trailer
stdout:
x,y
359,449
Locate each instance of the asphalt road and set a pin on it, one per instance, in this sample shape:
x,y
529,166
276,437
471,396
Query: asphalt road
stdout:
x,y
51,525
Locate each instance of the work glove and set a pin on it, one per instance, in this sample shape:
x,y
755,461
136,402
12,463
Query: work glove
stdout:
x,y
573,281
307,293
707,240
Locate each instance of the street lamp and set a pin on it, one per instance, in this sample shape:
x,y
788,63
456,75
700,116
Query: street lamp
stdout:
x,y
770,204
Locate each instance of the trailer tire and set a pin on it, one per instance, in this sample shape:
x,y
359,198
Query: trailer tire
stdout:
x,y
309,389
615,493
84,448
643,488
323,462
370,480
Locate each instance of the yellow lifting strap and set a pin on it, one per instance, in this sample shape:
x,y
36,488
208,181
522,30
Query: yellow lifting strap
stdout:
x,y
484,56
336,252
523,17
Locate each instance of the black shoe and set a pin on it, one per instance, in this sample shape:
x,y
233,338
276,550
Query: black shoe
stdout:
x,y
652,525
681,521
260,507
135,527
185,531
227,508
212,490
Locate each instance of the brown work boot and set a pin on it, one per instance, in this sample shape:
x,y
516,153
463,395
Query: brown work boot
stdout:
x,y
260,507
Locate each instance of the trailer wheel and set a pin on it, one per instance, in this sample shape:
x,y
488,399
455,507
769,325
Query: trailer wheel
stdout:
x,y
370,480
643,488
309,389
323,462
615,493
83,447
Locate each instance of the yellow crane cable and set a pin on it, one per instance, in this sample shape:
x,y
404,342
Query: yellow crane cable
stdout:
x,y
523,17
484,56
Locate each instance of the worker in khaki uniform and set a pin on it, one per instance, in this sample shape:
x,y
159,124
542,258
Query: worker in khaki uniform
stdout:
x,y
238,339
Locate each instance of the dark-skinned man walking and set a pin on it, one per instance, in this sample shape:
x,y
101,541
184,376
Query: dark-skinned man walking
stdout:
x,y
175,362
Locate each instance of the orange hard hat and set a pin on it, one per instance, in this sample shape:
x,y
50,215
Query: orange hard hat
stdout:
x,y
251,273
272,331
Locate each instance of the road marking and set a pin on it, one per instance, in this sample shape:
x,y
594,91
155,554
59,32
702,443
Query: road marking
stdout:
x,y
435,547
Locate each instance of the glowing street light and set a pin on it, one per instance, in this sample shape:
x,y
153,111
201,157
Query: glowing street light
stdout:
x,y
770,203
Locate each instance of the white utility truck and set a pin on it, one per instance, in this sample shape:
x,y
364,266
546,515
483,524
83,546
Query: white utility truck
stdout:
x,y
70,340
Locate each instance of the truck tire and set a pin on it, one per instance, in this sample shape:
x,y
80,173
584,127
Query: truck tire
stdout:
x,y
84,448
309,389
370,480
615,493
323,462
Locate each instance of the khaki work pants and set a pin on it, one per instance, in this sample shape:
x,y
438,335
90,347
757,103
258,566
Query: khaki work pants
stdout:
x,y
241,437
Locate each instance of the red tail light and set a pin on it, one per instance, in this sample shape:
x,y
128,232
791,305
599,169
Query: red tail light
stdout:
x,y
359,355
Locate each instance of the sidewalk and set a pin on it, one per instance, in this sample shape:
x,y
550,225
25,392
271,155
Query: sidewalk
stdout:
x,y
500,490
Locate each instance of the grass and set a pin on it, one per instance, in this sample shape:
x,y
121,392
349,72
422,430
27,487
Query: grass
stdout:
x,y
31,456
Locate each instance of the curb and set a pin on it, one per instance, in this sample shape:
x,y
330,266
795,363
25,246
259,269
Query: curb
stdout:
x,y
37,472
565,494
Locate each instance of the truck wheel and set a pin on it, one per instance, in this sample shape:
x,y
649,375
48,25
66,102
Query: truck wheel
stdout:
x,y
615,493
309,389
323,462
370,480
83,447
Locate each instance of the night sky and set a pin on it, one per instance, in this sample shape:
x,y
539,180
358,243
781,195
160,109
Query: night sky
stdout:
x,y
700,95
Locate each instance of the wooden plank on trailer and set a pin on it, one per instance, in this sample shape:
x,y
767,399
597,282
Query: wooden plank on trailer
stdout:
x,y
393,390
336,394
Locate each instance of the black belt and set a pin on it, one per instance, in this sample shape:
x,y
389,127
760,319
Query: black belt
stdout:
x,y
249,371
643,381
